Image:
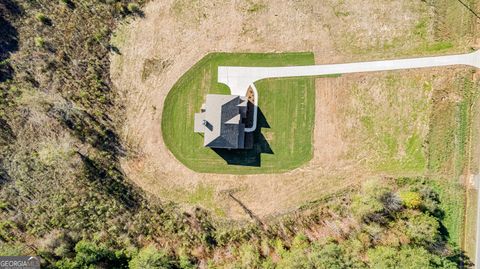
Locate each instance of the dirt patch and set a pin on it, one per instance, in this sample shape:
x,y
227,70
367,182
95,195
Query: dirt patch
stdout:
x,y
156,50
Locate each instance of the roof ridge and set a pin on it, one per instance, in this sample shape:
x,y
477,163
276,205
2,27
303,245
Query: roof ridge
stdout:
x,y
234,120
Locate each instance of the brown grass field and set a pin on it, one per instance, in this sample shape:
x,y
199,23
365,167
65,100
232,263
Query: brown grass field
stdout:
x,y
366,125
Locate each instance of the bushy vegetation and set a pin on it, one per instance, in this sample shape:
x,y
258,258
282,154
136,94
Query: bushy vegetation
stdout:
x,y
373,229
64,196
60,179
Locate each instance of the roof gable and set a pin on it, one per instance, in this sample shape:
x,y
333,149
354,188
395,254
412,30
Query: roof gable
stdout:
x,y
222,113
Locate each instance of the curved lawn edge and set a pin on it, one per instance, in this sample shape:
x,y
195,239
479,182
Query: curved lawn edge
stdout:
x,y
280,148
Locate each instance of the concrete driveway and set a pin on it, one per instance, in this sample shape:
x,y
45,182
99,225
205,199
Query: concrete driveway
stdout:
x,y
238,78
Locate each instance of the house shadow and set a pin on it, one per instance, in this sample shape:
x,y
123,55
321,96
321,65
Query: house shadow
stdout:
x,y
249,157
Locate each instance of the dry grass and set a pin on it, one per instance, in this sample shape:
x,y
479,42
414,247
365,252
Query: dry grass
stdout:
x,y
179,33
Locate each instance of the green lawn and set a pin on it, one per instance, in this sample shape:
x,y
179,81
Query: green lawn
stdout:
x,y
452,202
283,140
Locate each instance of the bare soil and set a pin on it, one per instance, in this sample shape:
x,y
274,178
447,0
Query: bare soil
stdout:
x,y
173,35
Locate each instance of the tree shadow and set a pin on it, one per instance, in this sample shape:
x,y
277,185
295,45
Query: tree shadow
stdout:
x,y
4,176
87,128
7,136
111,181
8,37
6,71
6,133
70,4
259,145
114,49
140,13
11,7
460,257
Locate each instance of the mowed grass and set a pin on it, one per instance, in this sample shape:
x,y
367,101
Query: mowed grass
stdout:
x,y
284,140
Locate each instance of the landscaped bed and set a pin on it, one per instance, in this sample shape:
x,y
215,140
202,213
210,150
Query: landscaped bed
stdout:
x,y
283,139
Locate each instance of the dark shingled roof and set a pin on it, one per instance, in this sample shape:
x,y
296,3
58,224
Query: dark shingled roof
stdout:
x,y
221,122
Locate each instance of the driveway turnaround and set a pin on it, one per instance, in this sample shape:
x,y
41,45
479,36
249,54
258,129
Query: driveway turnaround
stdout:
x,y
239,78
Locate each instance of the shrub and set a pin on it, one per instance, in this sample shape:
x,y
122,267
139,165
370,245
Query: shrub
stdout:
x,y
423,229
388,257
149,257
90,254
300,242
132,7
327,256
411,199
249,256
67,3
42,18
7,228
369,201
39,42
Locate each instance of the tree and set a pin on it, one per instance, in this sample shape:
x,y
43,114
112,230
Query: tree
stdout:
x,y
150,258
132,7
42,18
422,229
332,256
411,199
391,202
294,259
39,41
369,203
93,255
17,249
185,261
388,257
365,205
57,242
382,257
249,255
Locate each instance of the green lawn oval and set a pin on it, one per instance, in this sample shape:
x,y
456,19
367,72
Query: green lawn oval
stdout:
x,y
283,140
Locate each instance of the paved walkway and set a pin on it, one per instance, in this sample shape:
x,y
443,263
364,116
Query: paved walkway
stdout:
x,y
238,78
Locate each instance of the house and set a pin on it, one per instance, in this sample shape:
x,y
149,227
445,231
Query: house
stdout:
x,y
222,121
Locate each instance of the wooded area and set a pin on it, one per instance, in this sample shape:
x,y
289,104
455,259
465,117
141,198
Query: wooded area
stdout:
x,y
64,197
